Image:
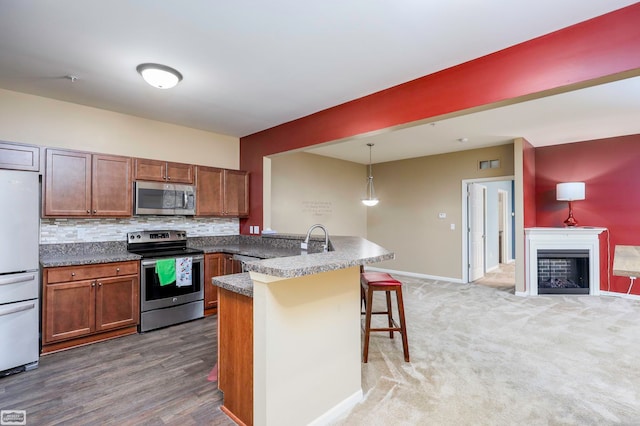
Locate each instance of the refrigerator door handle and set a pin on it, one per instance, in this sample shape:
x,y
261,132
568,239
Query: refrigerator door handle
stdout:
x,y
15,310
20,279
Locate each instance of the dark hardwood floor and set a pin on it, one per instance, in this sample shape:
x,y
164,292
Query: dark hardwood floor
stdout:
x,y
155,378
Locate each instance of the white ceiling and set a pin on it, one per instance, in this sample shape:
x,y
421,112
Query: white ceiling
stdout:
x,y
249,65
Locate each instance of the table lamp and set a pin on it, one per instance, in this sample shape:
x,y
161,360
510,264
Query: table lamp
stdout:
x,y
570,191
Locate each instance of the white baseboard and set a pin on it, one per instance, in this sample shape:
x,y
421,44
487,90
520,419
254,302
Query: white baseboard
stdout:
x,y
414,275
616,294
495,268
522,293
338,410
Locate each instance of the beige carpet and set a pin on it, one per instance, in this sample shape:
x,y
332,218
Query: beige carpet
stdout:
x,y
482,356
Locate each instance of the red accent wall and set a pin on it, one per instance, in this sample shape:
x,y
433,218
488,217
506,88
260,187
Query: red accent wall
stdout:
x,y
603,46
610,169
529,184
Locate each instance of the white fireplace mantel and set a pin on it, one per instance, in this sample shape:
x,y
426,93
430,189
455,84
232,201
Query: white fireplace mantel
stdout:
x,y
578,238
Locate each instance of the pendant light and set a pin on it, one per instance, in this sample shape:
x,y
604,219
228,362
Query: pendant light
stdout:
x,y
371,199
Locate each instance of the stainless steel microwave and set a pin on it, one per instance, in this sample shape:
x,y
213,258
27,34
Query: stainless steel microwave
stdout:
x,y
159,198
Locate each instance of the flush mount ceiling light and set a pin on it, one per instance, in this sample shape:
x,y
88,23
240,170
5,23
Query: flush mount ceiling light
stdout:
x,y
160,76
371,199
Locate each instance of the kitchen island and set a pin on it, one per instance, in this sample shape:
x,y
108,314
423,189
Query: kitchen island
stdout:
x,y
289,335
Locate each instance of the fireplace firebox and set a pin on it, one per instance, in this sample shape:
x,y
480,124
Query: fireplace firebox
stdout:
x,y
562,271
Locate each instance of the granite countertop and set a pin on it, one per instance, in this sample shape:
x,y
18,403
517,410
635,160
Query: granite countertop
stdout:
x,y
53,255
281,256
348,251
253,250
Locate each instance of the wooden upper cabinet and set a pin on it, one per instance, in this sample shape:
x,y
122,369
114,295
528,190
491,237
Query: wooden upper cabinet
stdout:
x,y
84,184
67,186
19,157
163,171
209,191
111,186
181,173
222,192
236,193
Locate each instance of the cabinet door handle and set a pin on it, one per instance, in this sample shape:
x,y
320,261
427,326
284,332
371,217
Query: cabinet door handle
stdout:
x,y
168,177
95,211
99,284
88,211
73,274
93,284
117,269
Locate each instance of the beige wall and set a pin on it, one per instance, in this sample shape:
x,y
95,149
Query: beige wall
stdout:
x,y
308,189
412,193
47,122
306,347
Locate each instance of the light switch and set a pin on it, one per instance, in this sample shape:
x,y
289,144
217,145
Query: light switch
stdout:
x,y
442,215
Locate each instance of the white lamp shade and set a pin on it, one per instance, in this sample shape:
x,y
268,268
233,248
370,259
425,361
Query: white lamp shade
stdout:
x,y
160,76
570,191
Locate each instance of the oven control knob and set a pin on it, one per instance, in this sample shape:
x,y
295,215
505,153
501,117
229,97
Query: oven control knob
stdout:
x,y
138,236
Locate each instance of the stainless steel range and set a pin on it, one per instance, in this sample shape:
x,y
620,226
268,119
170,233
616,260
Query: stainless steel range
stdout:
x,y
171,278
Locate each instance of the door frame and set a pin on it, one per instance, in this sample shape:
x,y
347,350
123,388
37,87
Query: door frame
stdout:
x,y
506,220
465,219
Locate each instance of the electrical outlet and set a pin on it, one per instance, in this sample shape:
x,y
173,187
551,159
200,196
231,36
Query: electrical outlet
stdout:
x,y
257,229
453,226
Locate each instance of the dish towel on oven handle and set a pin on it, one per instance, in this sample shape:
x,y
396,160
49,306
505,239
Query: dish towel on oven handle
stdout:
x,y
166,270
183,271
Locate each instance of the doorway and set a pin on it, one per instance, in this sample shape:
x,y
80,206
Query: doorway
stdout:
x,y
487,240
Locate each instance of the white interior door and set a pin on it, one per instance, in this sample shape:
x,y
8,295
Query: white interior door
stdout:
x,y
477,202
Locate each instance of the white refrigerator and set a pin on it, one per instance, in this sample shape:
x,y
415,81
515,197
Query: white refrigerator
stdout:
x,y
19,271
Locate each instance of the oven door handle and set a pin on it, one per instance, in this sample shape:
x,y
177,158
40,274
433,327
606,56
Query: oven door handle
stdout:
x,y
152,262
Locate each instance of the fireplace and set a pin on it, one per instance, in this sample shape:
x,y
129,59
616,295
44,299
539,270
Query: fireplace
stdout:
x,y
563,261
563,271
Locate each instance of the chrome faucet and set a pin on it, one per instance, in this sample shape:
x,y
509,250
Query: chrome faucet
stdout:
x,y
305,243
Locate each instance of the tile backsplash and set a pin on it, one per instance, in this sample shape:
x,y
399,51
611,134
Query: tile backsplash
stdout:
x,y
63,231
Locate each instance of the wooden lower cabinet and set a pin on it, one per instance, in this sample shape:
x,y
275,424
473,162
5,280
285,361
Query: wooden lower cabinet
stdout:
x,y
213,267
235,355
216,264
89,303
231,265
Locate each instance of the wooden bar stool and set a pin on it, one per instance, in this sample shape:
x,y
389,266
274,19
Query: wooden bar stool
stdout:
x,y
371,282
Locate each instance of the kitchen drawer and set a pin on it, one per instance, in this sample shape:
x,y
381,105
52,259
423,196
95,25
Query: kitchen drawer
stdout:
x,y
87,272
17,287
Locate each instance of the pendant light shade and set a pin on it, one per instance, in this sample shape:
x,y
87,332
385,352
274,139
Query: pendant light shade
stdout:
x,y
371,199
160,76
